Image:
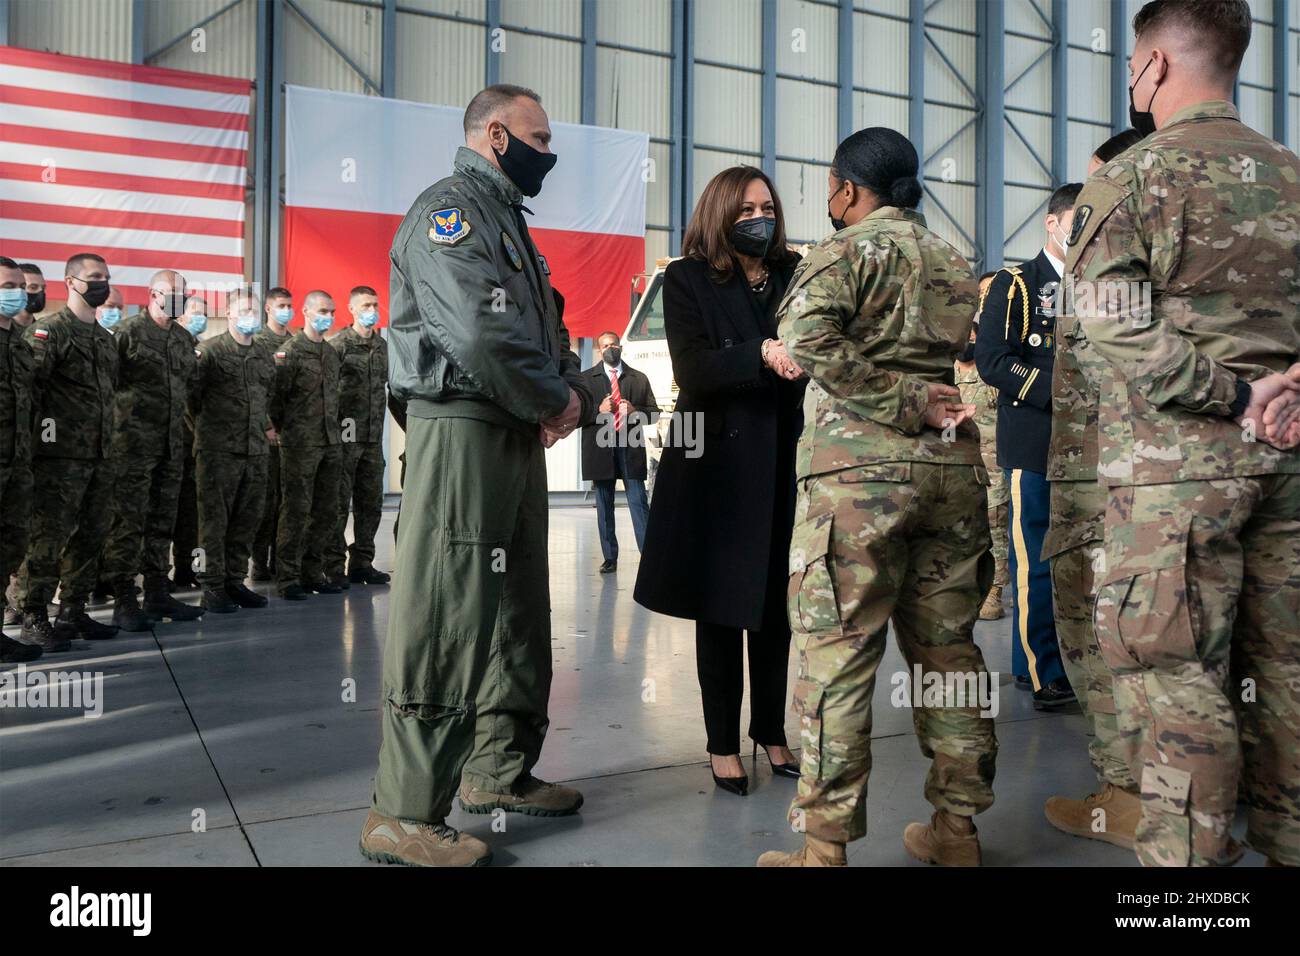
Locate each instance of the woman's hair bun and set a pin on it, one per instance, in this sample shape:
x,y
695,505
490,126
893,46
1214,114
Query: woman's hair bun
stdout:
x,y
905,192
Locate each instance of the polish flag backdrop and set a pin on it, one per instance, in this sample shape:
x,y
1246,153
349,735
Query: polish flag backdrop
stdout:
x,y
354,165
145,166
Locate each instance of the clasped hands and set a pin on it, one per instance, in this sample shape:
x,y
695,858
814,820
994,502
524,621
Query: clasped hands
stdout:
x,y
1275,405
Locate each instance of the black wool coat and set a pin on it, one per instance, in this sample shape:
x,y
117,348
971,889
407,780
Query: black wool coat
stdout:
x,y
598,462
721,515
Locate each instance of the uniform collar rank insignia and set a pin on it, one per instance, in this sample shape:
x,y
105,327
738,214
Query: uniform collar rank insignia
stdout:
x,y
512,251
1081,214
449,226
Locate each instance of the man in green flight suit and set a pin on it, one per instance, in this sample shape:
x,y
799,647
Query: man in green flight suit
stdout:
x,y
481,357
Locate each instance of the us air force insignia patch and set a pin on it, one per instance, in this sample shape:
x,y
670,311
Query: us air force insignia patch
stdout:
x,y
1081,214
449,226
512,251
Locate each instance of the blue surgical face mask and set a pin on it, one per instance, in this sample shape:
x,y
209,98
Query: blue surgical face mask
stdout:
x,y
248,323
368,319
12,301
196,324
284,316
322,323
110,317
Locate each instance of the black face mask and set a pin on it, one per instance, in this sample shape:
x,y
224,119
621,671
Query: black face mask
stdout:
x,y
836,223
36,302
96,293
1142,120
525,166
753,237
612,356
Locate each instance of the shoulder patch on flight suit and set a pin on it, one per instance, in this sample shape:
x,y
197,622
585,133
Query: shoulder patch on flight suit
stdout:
x,y
449,226
512,251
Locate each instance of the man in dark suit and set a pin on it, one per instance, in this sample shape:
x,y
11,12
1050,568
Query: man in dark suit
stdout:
x,y
613,442
1013,352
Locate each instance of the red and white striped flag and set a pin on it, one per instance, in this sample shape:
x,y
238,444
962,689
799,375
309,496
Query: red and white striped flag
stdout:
x,y
145,166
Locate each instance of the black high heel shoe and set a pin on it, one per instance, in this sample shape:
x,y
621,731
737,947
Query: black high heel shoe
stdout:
x,y
737,785
778,769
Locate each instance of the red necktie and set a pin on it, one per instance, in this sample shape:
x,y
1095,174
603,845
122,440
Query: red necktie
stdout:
x,y
616,399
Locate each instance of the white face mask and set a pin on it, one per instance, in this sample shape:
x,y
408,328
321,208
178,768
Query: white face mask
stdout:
x,y
1062,240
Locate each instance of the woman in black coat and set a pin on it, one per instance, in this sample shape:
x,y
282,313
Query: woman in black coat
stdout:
x,y
717,543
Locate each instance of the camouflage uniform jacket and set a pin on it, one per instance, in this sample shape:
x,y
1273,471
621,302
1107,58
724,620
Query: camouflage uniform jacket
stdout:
x,y
363,382
17,368
1185,258
155,369
76,372
874,314
232,395
305,398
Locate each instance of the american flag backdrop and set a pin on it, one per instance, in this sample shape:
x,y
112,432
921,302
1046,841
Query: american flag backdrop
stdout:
x,y
145,166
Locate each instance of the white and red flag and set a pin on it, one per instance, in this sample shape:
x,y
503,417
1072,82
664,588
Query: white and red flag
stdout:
x,y
354,165
143,165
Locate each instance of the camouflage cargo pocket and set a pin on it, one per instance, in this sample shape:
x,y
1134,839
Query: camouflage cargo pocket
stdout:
x,y
1164,833
1142,614
811,599
808,705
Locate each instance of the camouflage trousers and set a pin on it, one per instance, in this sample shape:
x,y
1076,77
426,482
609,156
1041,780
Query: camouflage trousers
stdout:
x,y
70,518
231,492
1198,615
361,492
901,542
467,662
185,534
264,540
309,488
999,495
1077,508
15,515
145,492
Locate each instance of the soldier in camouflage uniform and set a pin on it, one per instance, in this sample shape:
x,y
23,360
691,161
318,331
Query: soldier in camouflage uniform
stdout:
x,y
305,413
16,366
891,519
76,373
231,407
1073,545
273,337
363,389
985,399
156,364
1184,255
185,537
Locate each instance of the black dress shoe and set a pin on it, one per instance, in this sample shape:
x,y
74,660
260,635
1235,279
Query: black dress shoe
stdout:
x,y
609,566
1054,696
1023,682
295,592
737,785
245,597
778,769
218,602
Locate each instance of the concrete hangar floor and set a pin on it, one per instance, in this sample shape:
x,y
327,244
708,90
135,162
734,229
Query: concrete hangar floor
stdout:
x,y
240,722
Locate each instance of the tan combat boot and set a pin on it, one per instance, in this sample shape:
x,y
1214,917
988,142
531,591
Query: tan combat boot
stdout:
x,y
815,852
948,839
992,609
390,840
1115,824
534,797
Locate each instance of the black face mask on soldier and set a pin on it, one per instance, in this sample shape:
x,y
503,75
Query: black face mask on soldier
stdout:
x,y
1142,120
525,166
836,223
36,302
753,237
96,293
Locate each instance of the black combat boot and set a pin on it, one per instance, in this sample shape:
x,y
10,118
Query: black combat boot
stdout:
x,y
158,602
218,602
295,592
367,575
245,597
127,613
322,586
16,652
39,632
82,625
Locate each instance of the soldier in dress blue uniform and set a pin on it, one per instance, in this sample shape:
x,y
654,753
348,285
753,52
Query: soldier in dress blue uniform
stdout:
x,y
1013,352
